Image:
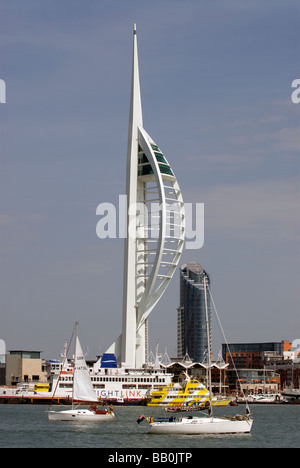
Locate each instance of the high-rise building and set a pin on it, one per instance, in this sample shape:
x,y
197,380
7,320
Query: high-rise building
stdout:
x,y
155,236
192,323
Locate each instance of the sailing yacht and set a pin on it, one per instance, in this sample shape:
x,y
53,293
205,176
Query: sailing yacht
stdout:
x,y
239,424
83,393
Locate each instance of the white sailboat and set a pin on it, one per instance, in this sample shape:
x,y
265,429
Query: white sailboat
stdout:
x,y
239,424
83,393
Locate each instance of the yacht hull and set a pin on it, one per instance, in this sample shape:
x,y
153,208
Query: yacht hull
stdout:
x,y
201,426
80,415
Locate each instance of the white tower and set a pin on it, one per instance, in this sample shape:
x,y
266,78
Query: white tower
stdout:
x,y
2,352
155,238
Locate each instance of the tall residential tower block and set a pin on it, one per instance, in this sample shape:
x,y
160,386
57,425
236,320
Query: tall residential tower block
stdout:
x,y
192,328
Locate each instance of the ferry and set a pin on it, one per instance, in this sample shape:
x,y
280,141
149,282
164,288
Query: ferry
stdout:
x,y
112,384
188,393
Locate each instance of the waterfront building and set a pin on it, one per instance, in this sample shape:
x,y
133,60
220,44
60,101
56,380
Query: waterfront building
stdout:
x,y
253,381
261,365
24,366
289,371
253,355
155,231
191,322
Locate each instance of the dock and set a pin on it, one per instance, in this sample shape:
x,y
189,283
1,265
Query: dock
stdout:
x,y
33,400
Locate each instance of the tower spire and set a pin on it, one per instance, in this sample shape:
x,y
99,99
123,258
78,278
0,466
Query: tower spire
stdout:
x,y
135,117
128,349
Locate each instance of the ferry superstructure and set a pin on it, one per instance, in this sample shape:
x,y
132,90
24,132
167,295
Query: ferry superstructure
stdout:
x,y
188,393
114,384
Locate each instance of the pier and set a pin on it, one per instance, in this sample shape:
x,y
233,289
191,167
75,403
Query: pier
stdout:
x,y
33,400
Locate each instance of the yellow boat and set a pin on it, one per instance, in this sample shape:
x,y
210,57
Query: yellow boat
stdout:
x,y
188,393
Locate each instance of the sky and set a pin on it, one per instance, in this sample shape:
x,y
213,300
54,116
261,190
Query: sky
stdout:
x,y
216,83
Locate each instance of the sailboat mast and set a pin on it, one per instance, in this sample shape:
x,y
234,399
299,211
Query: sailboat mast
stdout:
x,y
208,345
74,369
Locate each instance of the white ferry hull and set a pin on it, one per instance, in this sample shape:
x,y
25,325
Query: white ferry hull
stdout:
x,y
201,426
80,415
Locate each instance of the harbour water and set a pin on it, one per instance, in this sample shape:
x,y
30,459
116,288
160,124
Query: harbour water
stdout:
x,y
27,426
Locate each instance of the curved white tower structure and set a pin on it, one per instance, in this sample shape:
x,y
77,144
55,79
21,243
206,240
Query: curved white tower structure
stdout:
x,y
155,220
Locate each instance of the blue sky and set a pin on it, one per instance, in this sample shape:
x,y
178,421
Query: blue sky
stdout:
x,y
216,92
